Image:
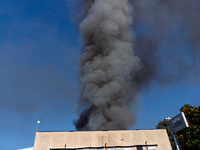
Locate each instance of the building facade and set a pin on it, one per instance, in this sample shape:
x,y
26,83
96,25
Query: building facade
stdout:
x,y
103,140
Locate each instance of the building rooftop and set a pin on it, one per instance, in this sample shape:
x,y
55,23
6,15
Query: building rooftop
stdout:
x,y
118,139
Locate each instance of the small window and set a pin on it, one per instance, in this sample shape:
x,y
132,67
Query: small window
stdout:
x,y
126,148
152,148
139,148
113,148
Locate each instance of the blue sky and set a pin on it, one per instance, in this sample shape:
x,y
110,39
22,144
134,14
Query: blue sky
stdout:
x,y
39,55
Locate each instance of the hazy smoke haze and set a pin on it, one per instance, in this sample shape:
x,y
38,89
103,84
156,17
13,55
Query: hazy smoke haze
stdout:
x,y
167,39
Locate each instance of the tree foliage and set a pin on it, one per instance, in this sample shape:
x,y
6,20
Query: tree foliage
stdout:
x,y
164,124
189,138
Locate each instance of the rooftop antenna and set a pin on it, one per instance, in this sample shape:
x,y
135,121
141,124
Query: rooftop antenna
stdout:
x,y
38,121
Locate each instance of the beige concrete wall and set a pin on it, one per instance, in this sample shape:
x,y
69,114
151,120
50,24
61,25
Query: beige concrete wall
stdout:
x,y
94,139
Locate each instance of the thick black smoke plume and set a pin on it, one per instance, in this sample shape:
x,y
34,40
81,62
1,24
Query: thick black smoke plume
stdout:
x,y
107,66
113,69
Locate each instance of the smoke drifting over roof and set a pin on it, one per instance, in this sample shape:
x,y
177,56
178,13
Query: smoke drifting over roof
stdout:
x,y
113,67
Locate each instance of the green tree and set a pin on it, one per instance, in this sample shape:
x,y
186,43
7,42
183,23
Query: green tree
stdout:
x,y
189,138
164,124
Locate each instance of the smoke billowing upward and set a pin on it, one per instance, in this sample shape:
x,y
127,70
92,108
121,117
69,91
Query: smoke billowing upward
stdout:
x,y
114,67
107,66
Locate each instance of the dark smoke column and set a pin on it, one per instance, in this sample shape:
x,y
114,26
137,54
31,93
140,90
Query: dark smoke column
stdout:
x,y
107,67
